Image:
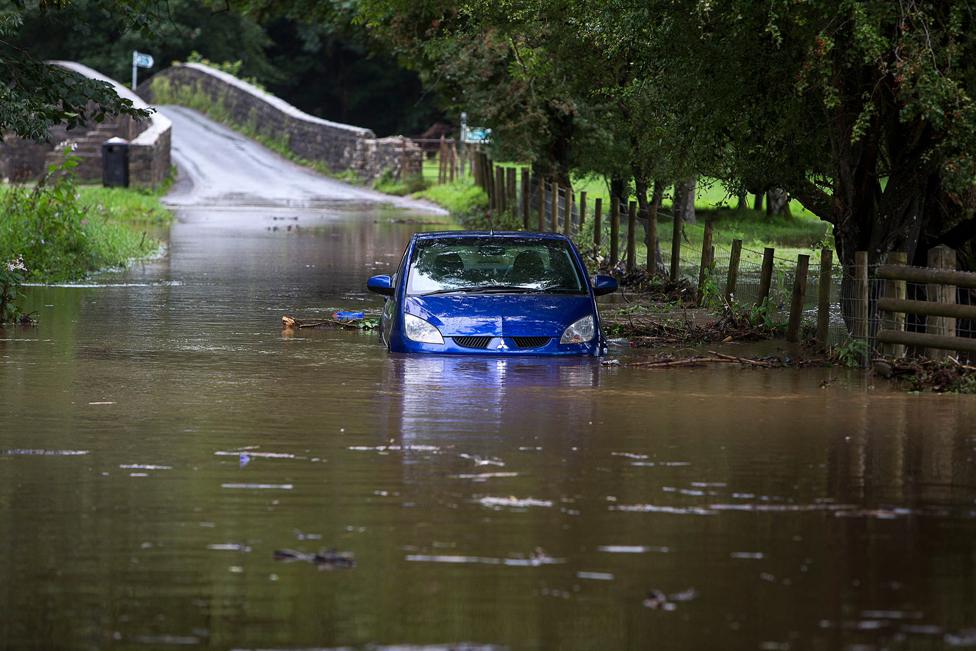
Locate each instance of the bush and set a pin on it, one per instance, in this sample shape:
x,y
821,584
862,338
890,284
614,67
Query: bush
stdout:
x,y
12,275
57,235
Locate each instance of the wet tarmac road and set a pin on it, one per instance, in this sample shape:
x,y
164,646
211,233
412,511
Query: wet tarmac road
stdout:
x,y
161,438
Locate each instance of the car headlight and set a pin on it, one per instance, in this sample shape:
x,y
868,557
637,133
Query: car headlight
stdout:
x,y
580,332
421,331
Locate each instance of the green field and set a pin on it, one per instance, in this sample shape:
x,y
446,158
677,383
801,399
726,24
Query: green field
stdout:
x,y
802,232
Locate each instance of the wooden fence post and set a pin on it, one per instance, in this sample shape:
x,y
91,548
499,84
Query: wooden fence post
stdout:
x,y
554,206
941,257
500,189
823,297
454,161
542,203
799,291
706,265
651,241
676,227
512,200
898,290
568,212
765,275
525,198
733,276
442,161
492,190
631,235
582,209
598,221
861,297
614,231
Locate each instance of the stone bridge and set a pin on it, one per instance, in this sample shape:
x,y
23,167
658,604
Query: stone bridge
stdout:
x,y
330,146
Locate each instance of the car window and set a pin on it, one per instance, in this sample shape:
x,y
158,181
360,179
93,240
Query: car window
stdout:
x,y
493,264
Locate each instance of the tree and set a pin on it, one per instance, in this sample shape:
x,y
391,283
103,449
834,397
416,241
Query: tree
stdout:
x,y
872,128
34,96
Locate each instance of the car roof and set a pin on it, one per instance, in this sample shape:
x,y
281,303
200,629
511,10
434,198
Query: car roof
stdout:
x,y
530,235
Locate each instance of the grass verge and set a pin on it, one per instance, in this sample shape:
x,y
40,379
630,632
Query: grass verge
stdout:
x,y
63,231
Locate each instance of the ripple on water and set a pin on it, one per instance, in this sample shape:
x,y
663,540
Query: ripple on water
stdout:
x,y
513,502
534,560
632,549
246,486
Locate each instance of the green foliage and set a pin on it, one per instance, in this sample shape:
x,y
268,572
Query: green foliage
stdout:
x,y
34,95
388,184
61,236
765,317
852,353
459,198
480,219
711,295
12,276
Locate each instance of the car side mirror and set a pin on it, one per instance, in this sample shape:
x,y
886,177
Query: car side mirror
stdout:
x,y
383,285
604,285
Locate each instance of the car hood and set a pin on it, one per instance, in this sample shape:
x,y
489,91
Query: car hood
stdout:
x,y
506,315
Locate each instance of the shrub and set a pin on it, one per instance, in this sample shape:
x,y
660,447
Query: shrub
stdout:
x,y
58,235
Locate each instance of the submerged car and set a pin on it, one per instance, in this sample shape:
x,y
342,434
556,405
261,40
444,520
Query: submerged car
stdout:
x,y
492,293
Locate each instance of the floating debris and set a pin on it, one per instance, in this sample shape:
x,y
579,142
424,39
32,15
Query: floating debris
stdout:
x,y
754,556
325,560
283,487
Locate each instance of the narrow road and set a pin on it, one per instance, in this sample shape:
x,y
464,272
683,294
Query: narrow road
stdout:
x,y
220,167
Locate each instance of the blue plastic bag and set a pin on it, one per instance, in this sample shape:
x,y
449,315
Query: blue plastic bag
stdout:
x,y
348,316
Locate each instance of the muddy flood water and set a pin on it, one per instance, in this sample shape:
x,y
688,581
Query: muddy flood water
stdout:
x,y
161,438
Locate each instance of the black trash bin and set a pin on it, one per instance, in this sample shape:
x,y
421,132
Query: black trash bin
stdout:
x,y
115,163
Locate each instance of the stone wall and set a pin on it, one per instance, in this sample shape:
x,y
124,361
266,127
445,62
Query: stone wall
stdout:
x,y
149,147
340,147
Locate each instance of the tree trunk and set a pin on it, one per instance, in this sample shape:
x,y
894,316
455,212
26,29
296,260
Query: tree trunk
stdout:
x,y
652,210
684,200
777,202
757,203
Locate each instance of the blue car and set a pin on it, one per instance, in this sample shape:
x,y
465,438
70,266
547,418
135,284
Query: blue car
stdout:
x,y
492,293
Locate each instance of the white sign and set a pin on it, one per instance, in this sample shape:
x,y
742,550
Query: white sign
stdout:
x,y
475,135
142,60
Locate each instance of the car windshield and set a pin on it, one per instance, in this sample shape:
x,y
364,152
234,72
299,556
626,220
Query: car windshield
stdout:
x,y
493,265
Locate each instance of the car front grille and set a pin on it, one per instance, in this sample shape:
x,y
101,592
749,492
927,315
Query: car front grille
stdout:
x,y
472,342
531,342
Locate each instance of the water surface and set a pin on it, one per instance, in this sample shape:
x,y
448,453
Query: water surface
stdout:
x,y
161,438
